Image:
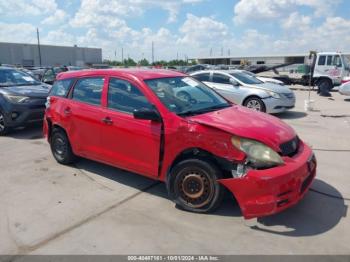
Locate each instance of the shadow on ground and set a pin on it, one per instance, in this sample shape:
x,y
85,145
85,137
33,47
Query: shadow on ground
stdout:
x,y
34,131
291,115
229,206
315,214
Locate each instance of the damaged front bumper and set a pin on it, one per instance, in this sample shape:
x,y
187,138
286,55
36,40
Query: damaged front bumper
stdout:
x,y
265,192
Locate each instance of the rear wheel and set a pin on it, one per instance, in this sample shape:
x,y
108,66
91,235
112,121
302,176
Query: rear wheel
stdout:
x,y
61,148
3,125
255,103
194,187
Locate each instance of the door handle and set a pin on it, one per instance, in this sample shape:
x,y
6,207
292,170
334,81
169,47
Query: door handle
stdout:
x,y
107,120
67,111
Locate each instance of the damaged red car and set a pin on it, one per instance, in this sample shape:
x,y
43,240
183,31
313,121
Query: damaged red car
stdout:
x,y
170,127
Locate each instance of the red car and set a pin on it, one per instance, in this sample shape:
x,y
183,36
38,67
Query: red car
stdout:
x,y
170,127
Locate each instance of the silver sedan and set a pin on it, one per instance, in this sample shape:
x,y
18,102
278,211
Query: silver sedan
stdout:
x,y
244,89
344,89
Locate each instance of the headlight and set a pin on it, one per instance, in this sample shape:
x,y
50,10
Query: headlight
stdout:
x,y
17,99
258,154
273,94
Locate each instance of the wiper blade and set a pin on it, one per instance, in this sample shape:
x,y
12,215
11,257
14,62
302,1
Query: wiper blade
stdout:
x,y
204,110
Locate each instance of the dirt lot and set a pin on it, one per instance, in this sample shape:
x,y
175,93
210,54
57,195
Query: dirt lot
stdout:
x,y
91,208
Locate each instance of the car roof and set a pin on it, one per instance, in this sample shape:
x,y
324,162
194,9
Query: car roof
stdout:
x,y
141,74
216,71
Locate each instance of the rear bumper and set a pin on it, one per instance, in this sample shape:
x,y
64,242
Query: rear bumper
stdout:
x,y
266,192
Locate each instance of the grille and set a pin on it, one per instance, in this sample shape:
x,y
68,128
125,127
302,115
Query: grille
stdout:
x,y
290,148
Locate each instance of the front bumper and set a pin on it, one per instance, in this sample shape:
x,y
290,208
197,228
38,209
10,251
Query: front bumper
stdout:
x,y
265,192
21,115
274,105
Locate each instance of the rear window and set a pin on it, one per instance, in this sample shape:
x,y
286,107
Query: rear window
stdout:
x,y
204,77
89,90
61,87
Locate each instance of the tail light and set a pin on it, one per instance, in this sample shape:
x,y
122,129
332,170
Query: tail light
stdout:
x,y
48,102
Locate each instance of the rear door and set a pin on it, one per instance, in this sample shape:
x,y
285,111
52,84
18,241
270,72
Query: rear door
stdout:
x,y
83,115
129,143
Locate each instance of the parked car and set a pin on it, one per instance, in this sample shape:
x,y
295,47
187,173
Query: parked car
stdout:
x,y
22,99
133,119
48,75
195,68
264,79
344,89
245,89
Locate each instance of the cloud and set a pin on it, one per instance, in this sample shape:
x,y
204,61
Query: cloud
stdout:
x,y
58,17
18,33
121,9
253,10
27,7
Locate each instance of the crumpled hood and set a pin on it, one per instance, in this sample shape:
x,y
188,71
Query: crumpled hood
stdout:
x,y
38,91
244,122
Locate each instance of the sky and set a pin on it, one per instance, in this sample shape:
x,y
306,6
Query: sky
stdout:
x,y
181,28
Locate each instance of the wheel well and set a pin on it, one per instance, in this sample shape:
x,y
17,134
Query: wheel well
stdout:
x,y
251,96
319,79
54,127
223,164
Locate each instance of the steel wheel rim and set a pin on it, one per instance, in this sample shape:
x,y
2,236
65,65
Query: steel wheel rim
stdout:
x,y
254,104
195,188
2,122
59,146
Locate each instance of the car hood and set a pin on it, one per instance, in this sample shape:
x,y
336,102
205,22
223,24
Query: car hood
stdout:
x,y
244,122
40,91
273,87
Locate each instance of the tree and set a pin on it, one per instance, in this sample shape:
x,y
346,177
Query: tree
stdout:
x,y
143,62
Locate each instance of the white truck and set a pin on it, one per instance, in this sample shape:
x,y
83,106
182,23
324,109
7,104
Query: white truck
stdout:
x,y
325,70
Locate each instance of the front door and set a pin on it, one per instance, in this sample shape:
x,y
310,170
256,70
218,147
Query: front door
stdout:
x,y
129,143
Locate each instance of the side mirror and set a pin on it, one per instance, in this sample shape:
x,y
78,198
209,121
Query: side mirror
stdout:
x,y
147,114
233,82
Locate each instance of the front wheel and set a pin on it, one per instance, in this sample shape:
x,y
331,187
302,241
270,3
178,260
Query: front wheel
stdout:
x,y
193,186
255,103
3,125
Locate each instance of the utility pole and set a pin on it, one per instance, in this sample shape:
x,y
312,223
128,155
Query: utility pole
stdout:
x,y
211,51
37,34
152,52
222,51
122,55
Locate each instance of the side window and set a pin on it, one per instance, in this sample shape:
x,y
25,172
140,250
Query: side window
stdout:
x,y
221,79
89,90
125,97
204,77
322,60
329,60
337,61
61,87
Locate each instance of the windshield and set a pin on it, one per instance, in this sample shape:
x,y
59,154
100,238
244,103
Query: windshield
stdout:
x,y
246,78
12,77
186,96
346,62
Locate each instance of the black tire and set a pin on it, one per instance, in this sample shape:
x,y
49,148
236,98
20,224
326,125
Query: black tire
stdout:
x,y
61,148
324,86
193,186
255,103
4,129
